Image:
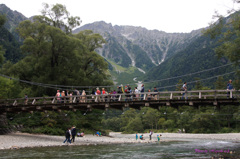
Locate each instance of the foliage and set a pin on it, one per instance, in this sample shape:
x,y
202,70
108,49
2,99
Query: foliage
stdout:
x,y
188,119
54,57
228,33
9,45
58,16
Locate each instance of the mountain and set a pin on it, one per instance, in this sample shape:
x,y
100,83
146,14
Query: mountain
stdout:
x,y
10,45
137,46
9,38
198,56
13,19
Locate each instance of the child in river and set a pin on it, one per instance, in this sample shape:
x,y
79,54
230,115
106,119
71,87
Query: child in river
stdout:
x,y
158,137
136,136
141,137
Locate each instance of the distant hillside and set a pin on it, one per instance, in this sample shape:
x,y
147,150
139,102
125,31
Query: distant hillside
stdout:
x,y
198,56
13,19
137,46
10,45
9,38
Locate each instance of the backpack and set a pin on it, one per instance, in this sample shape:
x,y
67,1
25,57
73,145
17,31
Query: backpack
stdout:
x,y
98,92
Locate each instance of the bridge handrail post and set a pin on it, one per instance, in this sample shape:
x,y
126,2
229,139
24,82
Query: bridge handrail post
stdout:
x,y
53,100
231,93
144,98
33,102
119,99
200,95
171,95
74,99
15,103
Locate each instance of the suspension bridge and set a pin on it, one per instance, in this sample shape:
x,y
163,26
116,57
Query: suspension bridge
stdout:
x,y
155,100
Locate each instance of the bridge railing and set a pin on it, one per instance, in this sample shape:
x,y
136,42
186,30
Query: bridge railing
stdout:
x,y
146,96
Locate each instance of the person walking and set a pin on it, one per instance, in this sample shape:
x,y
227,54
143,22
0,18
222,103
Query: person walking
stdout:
x,y
184,88
26,99
155,95
68,135
73,132
142,91
58,95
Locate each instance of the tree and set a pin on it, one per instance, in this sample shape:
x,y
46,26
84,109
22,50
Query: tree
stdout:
x,y
2,21
227,30
58,16
220,84
179,85
57,58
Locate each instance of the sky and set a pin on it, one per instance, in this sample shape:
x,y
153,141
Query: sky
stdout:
x,y
164,15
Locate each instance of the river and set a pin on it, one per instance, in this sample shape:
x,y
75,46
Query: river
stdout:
x,y
170,149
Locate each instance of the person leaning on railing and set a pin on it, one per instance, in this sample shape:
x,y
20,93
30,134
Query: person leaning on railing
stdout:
x,y
229,87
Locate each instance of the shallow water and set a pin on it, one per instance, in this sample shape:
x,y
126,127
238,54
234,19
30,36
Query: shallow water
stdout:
x,y
185,148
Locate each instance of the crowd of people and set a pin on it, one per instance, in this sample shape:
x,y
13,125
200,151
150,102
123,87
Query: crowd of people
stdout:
x,y
102,95
129,94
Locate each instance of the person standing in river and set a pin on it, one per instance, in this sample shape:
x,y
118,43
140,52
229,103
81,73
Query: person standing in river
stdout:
x,y
150,134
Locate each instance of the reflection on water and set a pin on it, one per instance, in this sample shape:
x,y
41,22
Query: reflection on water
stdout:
x,y
172,149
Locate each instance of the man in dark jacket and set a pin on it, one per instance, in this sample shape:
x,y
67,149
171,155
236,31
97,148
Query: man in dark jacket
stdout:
x,y
68,135
74,132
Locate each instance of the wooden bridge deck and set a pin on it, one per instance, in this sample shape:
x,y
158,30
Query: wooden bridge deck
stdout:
x,y
120,101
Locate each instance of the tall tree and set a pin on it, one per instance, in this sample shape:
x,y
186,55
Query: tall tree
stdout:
x,y
58,16
54,57
2,21
227,30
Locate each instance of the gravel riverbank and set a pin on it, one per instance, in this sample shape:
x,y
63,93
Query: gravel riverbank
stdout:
x,y
22,140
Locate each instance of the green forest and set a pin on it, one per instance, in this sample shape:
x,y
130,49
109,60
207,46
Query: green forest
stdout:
x,y
49,53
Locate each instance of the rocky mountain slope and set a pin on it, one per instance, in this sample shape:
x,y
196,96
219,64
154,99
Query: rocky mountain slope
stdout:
x,y
137,46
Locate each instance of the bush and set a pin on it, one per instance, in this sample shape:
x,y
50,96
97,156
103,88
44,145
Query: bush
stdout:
x,y
225,130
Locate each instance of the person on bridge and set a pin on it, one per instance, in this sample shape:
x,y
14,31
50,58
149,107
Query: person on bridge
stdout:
x,y
184,88
229,87
26,99
149,96
63,97
98,93
119,91
83,96
136,94
155,95
58,95
142,91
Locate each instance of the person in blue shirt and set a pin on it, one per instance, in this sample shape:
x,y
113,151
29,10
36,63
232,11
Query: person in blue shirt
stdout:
x,y
136,136
229,87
